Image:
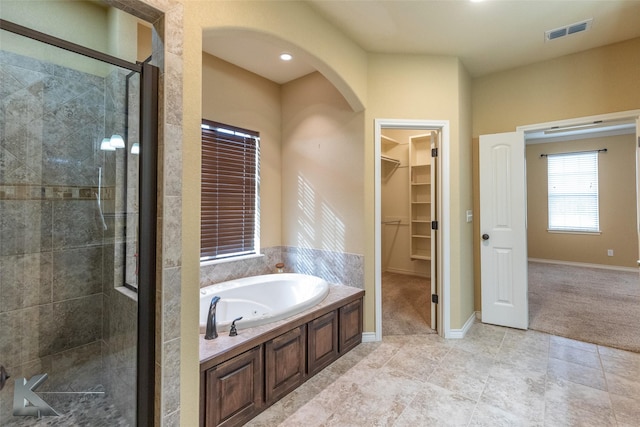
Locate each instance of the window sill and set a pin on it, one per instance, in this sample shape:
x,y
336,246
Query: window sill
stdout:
x,y
127,292
230,259
590,233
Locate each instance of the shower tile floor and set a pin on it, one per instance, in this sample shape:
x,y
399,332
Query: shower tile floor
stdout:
x,y
77,411
493,377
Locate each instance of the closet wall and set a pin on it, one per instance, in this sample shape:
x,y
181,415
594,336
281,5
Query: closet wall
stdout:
x,y
395,205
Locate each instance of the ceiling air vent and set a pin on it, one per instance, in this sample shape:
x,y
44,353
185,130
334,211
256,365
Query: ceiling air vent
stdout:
x,y
567,30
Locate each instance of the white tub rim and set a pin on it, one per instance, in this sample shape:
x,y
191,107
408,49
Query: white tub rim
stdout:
x,y
210,291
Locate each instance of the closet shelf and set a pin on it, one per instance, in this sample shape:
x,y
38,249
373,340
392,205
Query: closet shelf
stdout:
x,y
420,197
387,142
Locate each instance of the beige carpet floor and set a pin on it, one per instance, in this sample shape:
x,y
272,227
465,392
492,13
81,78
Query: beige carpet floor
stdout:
x,y
586,304
406,309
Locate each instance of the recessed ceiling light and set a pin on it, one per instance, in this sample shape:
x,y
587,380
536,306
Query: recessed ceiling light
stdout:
x,y
286,56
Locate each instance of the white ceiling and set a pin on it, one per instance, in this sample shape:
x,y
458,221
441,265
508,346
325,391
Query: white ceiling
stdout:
x,y
487,36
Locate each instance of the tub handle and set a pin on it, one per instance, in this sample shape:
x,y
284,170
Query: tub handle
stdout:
x,y
233,331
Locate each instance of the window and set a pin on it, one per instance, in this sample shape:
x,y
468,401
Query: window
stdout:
x,y
230,192
573,192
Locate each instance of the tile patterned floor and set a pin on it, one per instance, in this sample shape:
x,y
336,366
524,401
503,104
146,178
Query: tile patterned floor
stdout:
x,y
493,377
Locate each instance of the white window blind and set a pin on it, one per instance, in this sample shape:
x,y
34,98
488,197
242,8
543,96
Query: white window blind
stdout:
x,y
573,191
229,192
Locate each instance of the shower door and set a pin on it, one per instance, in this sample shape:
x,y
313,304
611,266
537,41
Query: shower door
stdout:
x,y
70,146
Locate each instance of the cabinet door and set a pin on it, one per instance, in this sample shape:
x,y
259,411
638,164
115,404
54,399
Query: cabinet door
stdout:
x,y
234,390
350,325
284,363
323,342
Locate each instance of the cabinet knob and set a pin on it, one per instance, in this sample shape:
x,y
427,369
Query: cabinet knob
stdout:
x,y
485,237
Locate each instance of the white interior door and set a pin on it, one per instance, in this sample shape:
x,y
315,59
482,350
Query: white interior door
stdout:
x,y
503,248
435,250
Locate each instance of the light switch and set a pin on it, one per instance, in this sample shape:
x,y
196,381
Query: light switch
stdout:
x,y
469,215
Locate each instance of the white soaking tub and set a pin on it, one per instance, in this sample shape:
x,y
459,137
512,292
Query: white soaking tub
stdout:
x,y
261,299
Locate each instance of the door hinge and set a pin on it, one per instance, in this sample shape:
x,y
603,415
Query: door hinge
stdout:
x,y
434,152
434,225
434,298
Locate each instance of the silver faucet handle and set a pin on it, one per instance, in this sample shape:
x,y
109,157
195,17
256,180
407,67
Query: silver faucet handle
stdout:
x,y
233,331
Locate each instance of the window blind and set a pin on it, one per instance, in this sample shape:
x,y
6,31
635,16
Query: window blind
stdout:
x,y
573,191
229,192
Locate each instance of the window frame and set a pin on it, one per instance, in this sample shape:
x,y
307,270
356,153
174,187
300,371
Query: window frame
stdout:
x,y
242,180
565,198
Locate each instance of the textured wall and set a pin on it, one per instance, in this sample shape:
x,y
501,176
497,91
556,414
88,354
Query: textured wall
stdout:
x,y
335,267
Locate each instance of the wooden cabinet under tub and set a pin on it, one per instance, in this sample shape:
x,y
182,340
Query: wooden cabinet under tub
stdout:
x,y
234,389
285,364
350,325
323,342
241,376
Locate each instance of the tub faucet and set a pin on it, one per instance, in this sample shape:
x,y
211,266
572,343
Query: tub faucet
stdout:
x,y
212,332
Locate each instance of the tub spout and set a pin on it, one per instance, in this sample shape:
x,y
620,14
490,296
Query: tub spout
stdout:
x,y
212,332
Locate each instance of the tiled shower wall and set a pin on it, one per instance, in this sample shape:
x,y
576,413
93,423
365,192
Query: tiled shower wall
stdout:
x,y
335,267
56,259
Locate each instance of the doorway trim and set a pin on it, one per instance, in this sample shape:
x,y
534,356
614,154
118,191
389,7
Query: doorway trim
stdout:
x,y
621,115
443,257
578,121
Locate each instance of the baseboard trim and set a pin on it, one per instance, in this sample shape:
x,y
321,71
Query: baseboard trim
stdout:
x,y
369,337
582,264
460,333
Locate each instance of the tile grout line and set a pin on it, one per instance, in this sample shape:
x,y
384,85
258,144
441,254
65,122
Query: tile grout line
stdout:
x,y
546,378
484,386
606,384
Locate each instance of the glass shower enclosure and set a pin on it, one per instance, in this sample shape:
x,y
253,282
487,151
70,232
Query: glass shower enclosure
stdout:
x,y
76,260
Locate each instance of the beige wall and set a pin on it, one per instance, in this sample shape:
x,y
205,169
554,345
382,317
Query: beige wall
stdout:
x,y
427,88
236,97
617,201
90,26
337,57
322,167
144,42
462,190
597,81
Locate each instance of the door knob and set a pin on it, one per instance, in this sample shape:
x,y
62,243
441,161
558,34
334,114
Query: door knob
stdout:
x,y
485,237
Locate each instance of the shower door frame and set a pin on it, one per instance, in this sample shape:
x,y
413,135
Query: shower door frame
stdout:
x,y
145,369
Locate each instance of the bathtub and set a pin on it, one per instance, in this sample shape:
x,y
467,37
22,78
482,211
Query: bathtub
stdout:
x,y
261,299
